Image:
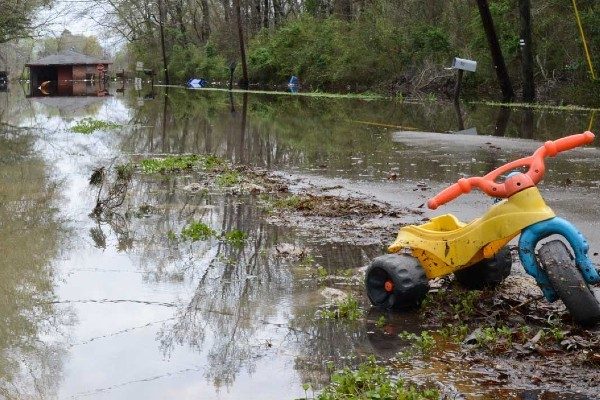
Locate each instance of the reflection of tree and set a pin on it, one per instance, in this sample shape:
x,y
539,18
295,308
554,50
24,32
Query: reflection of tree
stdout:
x,y
29,240
527,124
284,131
502,121
238,290
328,342
237,286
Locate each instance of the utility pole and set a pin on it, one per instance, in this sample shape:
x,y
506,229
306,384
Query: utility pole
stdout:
x,y
508,93
238,15
526,45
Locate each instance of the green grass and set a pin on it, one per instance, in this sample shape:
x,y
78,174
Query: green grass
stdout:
x,y
489,337
537,106
307,261
359,96
170,164
124,171
289,202
347,309
229,178
454,301
172,236
455,333
211,162
87,126
372,381
197,231
235,237
322,272
425,342
557,333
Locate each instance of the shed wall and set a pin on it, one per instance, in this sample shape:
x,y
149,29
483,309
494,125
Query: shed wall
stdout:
x,y
65,74
79,72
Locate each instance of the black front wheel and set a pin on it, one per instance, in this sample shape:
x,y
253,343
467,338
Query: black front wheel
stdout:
x,y
396,282
566,279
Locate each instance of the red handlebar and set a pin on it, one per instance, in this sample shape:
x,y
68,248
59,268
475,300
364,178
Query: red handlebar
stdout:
x,y
535,172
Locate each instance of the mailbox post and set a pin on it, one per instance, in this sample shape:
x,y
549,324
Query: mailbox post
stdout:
x,y
460,65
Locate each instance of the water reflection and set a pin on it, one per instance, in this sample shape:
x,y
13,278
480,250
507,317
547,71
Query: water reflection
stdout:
x,y
97,88
175,313
279,132
241,295
30,359
502,121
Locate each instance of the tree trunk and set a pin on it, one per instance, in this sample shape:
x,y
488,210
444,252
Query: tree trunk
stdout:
x,y
205,21
238,16
490,32
527,51
277,14
256,16
265,20
179,15
343,9
161,24
226,10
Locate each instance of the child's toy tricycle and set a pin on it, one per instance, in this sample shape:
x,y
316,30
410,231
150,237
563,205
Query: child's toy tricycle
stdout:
x,y
476,252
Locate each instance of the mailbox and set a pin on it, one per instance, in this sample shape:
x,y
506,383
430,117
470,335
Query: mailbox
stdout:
x,y
464,64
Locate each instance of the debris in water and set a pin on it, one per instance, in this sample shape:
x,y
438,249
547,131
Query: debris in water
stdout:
x,y
97,176
333,295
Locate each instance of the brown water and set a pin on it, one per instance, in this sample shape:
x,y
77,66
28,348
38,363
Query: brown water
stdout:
x,y
114,310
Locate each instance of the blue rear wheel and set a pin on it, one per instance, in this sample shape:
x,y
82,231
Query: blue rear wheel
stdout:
x,y
567,281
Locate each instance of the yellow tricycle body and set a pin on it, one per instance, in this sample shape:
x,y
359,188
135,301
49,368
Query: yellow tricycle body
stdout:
x,y
445,244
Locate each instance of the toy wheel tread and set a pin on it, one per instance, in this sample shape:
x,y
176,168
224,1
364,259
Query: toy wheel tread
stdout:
x,y
568,282
396,281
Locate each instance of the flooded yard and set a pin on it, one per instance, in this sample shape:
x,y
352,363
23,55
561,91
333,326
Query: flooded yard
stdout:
x,y
122,305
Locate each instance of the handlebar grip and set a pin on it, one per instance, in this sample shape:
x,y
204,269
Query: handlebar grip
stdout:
x,y
568,143
450,193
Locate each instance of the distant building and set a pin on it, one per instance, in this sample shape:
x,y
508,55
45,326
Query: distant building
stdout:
x,y
64,73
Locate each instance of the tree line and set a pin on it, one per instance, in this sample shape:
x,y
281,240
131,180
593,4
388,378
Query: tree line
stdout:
x,y
385,45
382,45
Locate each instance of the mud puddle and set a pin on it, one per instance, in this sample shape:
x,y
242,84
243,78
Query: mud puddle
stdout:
x,y
124,305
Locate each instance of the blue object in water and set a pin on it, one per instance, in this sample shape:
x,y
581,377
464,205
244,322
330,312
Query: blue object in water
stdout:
x,y
293,81
197,83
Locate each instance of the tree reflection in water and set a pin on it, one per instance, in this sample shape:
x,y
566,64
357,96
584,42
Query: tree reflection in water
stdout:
x,y
30,237
242,295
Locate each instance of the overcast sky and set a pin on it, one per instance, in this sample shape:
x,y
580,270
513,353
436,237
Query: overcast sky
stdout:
x,y
75,15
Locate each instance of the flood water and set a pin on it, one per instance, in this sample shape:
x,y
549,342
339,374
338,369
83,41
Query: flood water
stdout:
x,y
111,309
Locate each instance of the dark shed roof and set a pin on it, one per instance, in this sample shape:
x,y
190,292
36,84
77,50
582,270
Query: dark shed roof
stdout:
x,y
68,57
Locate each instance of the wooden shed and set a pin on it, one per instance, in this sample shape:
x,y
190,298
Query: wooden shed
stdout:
x,y
65,68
